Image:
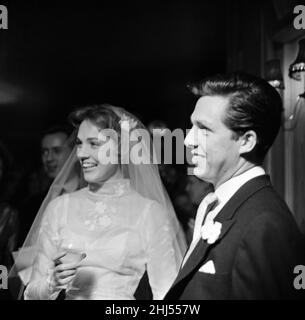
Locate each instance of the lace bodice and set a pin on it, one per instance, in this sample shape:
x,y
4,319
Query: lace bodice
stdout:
x,y
122,234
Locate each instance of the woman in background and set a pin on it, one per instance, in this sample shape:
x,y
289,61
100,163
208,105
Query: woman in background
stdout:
x,y
9,222
9,218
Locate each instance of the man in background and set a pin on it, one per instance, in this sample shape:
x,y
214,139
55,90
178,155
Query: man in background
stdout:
x,y
55,150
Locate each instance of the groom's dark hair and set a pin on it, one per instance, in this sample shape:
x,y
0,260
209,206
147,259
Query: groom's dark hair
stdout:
x,y
253,105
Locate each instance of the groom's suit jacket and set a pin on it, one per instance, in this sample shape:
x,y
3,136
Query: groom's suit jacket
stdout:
x,y
254,256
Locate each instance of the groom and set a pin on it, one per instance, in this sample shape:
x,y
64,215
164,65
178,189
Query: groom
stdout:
x,y
246,243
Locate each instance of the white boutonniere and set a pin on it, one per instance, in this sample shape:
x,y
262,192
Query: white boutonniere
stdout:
x,y
210,231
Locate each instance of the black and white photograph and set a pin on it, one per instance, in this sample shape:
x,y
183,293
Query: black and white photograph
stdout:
x,y
152,150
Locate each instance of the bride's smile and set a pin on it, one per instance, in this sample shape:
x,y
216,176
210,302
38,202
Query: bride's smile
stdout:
x,y
96,167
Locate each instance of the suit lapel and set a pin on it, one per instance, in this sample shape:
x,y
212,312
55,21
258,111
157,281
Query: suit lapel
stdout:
x,y
200,251
242,195
226,218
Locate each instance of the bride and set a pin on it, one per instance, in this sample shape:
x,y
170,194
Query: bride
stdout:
x,y
118,224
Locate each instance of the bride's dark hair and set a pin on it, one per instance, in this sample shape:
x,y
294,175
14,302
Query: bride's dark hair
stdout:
x,y
100,115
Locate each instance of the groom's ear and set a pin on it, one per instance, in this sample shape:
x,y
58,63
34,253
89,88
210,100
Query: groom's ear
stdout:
x,y
248,141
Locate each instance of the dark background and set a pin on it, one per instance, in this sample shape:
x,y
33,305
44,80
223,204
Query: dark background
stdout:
x,y
136,54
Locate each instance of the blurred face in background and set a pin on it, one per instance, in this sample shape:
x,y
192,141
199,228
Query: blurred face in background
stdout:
x,y
54,152
197,189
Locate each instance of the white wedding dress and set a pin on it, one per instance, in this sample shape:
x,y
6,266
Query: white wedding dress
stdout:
x,y
122,234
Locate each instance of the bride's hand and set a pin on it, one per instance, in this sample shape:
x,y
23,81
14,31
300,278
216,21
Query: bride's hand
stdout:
x,y
63,273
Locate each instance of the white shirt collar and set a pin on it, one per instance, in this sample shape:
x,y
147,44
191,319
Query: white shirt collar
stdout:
x,y
226,190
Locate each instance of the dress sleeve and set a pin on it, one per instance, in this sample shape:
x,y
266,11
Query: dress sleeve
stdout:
x,y
40,285
162,262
